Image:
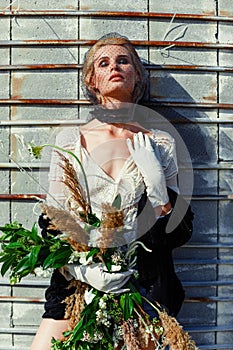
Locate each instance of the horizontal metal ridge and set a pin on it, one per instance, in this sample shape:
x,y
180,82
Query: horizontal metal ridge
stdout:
x,y
208,299
45,283
203,261
75,66
16,330
128,14
87,42
15,101
216,346
34,196
203,328
158,103
32,300
191,284
22,196
14,299
192,329
29,123
208,245
39,165
26,283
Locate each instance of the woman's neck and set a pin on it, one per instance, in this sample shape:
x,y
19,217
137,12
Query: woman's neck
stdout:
x,y
111,103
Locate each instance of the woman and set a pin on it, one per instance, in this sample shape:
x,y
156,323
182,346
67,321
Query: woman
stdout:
x,y
119,156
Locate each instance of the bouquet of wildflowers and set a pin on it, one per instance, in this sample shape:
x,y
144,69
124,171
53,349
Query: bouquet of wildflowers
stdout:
x,y
97,320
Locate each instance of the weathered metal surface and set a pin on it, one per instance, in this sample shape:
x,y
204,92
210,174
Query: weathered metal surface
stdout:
x,y
147,43
158,102
58,122
34,197
22,299
51,67
40,41
127,14
22,196
45,166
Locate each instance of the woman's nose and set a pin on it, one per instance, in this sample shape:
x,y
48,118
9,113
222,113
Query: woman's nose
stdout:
x,y
114,65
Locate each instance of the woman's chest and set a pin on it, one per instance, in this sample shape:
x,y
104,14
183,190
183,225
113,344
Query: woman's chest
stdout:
x,y
109,152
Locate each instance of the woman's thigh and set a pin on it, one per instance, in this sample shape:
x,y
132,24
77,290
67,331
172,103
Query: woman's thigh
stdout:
x,y
54,328
48,328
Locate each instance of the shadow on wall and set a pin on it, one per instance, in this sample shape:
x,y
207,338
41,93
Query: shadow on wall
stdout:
x,y
199,142
200,139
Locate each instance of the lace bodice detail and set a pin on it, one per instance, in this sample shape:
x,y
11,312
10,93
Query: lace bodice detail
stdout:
x,y
129,182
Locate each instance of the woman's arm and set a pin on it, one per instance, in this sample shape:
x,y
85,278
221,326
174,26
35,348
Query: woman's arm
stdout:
x,y
167,208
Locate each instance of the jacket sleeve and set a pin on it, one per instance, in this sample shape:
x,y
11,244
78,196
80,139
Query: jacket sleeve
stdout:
x,y
179,224
172,230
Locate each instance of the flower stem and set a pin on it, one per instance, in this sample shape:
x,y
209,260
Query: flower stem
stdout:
x,y
151,304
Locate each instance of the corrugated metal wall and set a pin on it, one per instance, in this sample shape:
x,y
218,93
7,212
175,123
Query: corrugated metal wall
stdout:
x,y
41,47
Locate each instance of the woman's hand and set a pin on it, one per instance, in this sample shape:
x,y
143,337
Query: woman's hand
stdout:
x,y
98,277
145,158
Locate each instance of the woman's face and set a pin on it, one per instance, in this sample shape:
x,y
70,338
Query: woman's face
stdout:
x,y
114,73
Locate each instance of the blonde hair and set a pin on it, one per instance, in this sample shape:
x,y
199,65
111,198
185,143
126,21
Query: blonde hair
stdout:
x,y
88,67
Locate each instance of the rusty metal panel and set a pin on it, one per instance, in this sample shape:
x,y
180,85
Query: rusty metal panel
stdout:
x,y
188,47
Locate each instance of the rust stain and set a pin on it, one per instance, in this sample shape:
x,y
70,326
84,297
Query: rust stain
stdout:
x,y
53,66
225,13
17,82
20,299
69,7
14,148
208,13
86,11
83,42
200,299
22,196
85,8
212,97
14,112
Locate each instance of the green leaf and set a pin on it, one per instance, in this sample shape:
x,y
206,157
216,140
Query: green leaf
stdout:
x,y
13,246
127,306
93,220
24,264
130,306
34,235
7,264
117,202
77,334
58,258
11,227
137,298
33,256
108,265
92,252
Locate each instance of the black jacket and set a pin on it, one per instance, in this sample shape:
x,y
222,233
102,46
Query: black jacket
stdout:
x,y
156,268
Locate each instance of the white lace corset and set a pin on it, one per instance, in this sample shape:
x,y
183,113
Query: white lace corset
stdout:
x,y
129,182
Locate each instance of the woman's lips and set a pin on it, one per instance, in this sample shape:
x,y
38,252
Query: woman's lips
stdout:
x,y
116,77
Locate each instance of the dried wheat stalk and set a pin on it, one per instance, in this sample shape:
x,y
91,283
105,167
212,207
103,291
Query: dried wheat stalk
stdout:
x,y
63,221
77,201
174,335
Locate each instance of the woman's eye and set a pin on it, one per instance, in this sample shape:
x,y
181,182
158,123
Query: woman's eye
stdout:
x,y
122,61
103,64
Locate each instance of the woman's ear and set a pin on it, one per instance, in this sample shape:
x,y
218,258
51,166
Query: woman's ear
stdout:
x,y
92,82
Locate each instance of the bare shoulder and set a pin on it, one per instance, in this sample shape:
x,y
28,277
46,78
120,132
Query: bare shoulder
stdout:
x,y
157,135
